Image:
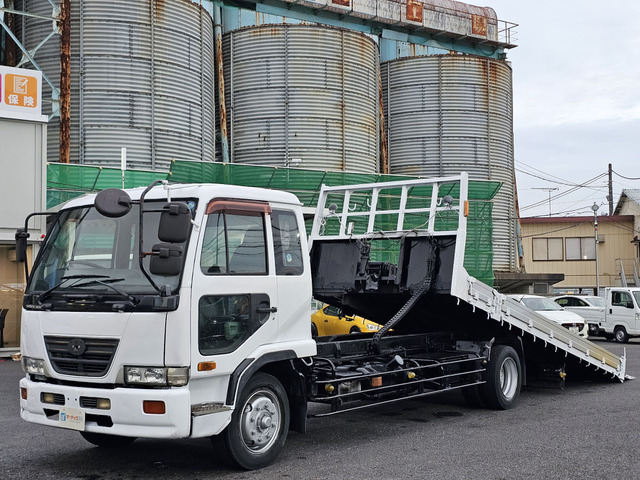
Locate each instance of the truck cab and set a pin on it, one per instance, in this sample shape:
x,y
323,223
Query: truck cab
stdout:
x,y
145,315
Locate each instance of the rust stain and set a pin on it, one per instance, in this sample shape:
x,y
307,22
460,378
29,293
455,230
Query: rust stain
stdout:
x,y
11,49
65,80
221,89
384,156
343,3
160,8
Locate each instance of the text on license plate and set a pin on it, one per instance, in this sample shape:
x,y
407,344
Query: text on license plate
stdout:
x,y
72,418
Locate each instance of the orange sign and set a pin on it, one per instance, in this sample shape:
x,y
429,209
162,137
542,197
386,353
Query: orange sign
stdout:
x,y
414,11
20,93
479,25
21,90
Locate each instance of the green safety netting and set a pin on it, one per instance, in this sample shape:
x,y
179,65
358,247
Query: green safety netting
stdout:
x,y
66,181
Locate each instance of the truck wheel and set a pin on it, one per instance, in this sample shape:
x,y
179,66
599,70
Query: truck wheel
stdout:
x,y
259,424
314,330
621,335
503,379
355,330
109,441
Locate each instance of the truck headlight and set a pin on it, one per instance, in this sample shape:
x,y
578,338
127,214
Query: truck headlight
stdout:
x,y
34,366
156,376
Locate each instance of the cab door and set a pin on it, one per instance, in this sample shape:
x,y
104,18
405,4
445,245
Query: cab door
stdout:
x,y
234,292
622,311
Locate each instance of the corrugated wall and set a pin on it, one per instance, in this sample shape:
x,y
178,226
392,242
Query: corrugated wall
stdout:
x,y
141,78
303,96
451,113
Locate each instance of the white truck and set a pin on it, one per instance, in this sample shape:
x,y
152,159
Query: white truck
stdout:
x,y
621,318
183,311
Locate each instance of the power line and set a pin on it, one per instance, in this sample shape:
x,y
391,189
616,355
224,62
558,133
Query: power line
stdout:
x,y
626,178
562,194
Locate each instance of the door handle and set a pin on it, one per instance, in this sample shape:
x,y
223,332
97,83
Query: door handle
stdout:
x,y
267,309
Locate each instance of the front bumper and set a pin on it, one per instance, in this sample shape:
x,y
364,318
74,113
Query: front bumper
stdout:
x,y
124,417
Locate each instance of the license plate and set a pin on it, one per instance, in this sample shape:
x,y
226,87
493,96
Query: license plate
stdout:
x,y
72,418
573,329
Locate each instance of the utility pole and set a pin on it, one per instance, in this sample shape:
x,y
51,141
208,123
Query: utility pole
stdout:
x,y
610,197
548,189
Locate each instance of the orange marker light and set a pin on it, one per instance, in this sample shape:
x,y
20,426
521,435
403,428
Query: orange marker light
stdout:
x,y
154,407
206,366
376,382
466,208
23,393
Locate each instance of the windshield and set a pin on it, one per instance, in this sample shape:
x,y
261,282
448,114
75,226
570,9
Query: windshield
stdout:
x,y
86,254
541,304
636,295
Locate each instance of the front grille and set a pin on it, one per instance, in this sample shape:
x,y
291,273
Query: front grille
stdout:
x,y
91,357
88,402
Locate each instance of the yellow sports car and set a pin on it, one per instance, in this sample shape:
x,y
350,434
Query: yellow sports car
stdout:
x,y
330,320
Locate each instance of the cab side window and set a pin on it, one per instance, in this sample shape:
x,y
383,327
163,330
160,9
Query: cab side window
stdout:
x,y
286,242
234,244
621,299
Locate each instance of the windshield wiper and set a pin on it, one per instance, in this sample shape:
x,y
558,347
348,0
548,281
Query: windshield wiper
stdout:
x,y
46,293
107,283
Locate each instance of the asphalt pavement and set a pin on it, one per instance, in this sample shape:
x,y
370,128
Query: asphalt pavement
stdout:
x,y
590,429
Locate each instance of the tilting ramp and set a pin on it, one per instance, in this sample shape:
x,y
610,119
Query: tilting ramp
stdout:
x,y
512,314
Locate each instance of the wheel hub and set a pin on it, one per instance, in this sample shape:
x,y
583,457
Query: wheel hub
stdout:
x,y
260,420
509,378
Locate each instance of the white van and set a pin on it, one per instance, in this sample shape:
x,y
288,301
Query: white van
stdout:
x,y
622,315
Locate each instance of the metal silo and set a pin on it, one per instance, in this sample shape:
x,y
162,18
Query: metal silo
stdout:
x,y
451,113
302,95
141,78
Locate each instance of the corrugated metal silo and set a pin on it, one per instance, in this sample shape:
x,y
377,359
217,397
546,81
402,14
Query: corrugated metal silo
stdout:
x,y
141,78
452,113
302,95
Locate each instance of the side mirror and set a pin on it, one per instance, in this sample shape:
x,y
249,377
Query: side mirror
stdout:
x,y
21,245
166,259
175,223
113,202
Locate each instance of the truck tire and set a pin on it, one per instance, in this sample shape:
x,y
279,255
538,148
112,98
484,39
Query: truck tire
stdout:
x,y
621,335
108,441
259,424
503,379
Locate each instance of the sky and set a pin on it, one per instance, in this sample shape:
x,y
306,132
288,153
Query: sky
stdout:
x,y
576,87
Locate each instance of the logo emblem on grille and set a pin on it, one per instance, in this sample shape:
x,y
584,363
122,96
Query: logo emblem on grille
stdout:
x,y
76,346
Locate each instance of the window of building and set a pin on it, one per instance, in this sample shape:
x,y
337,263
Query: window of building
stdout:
x,y
580,248
545,249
